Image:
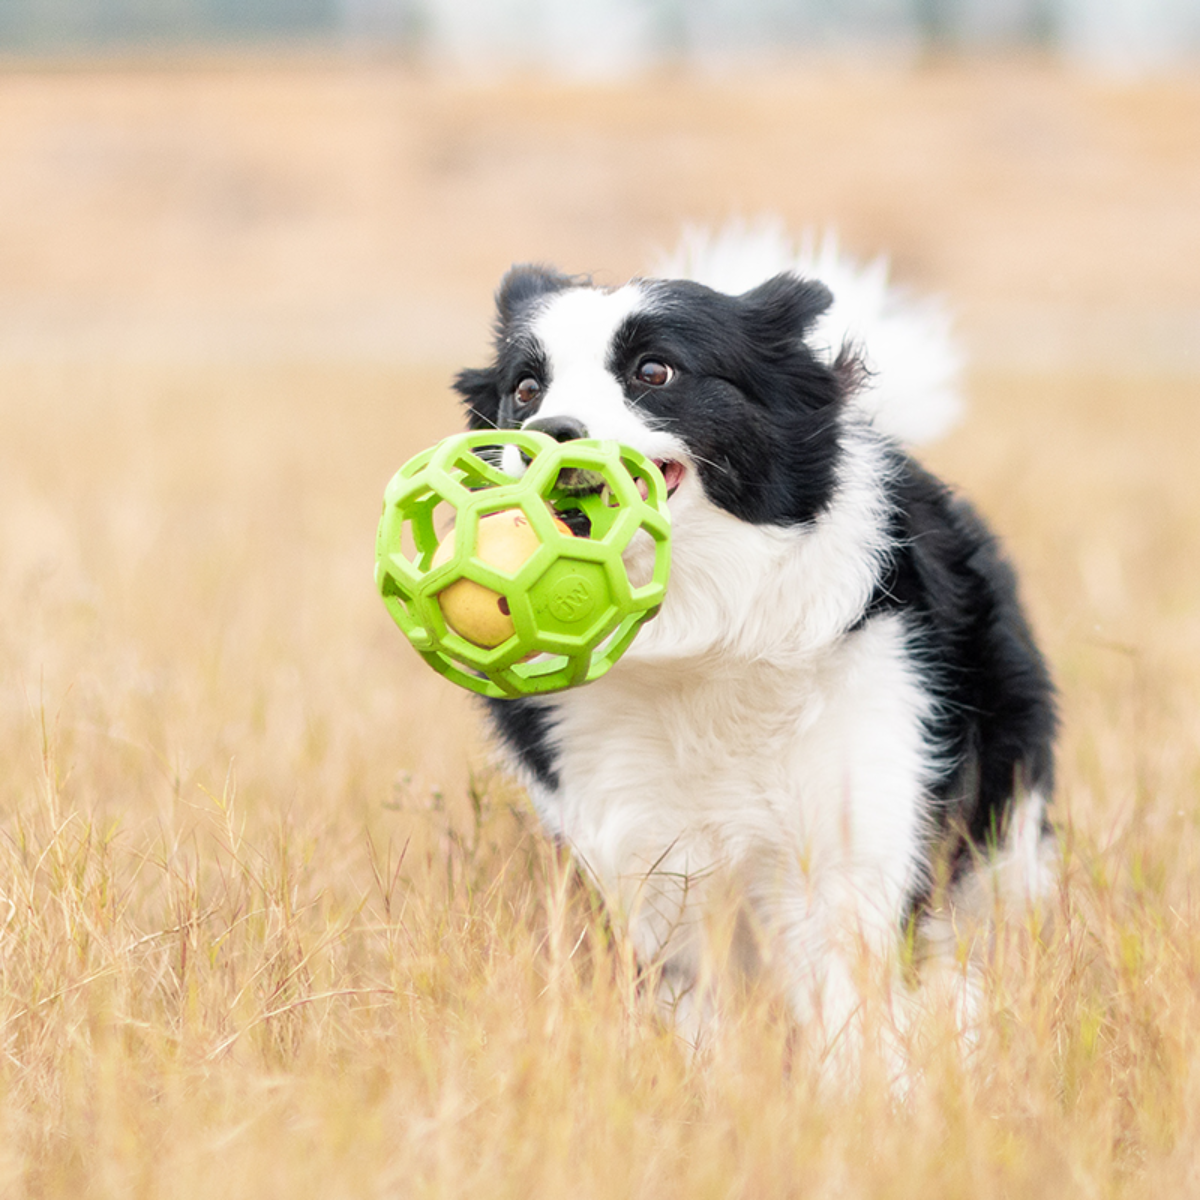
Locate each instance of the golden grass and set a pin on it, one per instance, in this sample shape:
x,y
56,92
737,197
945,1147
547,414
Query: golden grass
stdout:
x,y
271,926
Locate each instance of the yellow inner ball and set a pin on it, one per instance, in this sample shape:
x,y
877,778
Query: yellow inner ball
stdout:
x,y
505,541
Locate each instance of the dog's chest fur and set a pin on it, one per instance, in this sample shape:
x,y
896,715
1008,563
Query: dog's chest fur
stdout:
x,y
799,781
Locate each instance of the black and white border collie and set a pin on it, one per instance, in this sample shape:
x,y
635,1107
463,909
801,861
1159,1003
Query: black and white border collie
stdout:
x,y
839,718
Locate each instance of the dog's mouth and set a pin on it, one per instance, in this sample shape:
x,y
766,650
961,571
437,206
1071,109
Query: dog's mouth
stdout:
x,y
574,481
672,473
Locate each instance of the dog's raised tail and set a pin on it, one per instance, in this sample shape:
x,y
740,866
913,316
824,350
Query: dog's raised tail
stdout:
x,y
912,389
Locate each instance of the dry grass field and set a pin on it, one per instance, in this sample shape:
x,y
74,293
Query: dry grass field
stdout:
x,y
270,924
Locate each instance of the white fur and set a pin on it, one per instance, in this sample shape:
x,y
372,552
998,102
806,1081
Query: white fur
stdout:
x,y
756,591
798,788
914,392
747,745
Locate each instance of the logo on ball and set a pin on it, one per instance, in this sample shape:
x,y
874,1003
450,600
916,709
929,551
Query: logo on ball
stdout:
x,y
572,599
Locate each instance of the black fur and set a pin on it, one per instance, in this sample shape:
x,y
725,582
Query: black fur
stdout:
x,y
763,421
996,719
525,729
759,405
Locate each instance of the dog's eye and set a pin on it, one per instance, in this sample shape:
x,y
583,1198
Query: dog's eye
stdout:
x,y
526,392
653,373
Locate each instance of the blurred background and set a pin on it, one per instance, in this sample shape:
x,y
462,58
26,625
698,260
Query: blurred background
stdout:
x,y
203,177
245,246
612,36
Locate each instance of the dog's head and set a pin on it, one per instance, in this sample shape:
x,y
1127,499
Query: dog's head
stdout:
x,y
721,391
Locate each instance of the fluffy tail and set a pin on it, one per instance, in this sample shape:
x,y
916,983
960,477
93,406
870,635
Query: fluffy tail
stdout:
x,y
913,390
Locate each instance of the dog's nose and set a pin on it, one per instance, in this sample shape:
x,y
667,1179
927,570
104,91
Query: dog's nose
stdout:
x,y
561,429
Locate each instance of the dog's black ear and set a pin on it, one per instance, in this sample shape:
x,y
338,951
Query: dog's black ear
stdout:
x,y
783,370
480,394
522,285
779,312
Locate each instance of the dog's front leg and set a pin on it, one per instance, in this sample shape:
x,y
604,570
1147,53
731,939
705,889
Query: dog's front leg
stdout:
x,y
841,975
674,922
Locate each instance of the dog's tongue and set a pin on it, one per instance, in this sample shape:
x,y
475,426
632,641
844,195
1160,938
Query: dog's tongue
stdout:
x,y
672,473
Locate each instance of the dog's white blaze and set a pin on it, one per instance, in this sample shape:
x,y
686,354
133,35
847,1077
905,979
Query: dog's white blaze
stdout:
x,y
576,329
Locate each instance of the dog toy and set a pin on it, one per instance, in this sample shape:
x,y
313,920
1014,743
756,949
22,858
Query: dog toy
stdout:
x,y
504,541
517,584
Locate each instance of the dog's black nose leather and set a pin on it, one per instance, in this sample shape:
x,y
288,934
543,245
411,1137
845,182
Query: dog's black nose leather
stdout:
x,y
561,429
